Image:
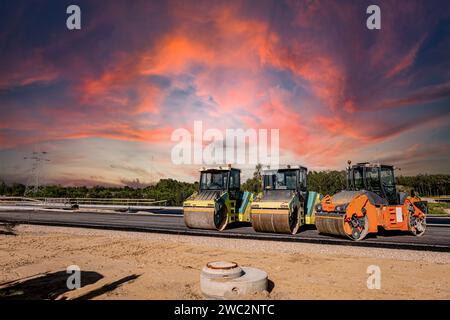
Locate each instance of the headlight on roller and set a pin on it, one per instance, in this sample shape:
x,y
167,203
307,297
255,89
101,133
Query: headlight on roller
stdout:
x,y
341,208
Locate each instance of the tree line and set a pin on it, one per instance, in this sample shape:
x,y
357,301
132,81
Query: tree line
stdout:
x,y
175,192
332,181
325,182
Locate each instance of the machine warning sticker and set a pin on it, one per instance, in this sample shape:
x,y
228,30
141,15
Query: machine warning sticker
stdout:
x,y
398,213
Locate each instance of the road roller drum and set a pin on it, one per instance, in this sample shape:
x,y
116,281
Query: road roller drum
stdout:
x,y
338,224
277,221
207,219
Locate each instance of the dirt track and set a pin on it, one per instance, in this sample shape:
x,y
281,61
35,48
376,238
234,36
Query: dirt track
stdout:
x,y
157,266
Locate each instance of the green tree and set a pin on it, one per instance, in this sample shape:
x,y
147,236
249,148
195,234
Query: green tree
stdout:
x,y
3,188
254,184
326,182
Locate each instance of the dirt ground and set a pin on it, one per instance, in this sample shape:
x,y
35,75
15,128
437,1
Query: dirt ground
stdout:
x,y
128,265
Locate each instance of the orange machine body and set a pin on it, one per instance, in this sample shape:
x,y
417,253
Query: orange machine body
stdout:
x,y
389,217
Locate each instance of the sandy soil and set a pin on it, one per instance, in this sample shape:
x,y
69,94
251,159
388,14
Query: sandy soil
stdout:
x,y
156,266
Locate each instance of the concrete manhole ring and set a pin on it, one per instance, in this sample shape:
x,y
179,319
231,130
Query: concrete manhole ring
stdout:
x,y
222,279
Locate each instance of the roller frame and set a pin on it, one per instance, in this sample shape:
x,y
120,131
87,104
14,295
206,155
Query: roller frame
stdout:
x,y
389,217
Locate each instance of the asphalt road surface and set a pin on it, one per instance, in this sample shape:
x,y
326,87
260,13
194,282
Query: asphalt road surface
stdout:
x,y
436,238
435,219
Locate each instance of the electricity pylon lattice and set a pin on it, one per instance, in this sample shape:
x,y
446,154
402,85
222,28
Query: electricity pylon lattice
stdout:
x,y
37,159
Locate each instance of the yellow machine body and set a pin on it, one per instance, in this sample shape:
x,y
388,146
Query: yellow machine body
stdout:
x,y
284,205
215,209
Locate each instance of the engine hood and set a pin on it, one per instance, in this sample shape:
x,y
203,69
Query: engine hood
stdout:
x,y
345,197
276,195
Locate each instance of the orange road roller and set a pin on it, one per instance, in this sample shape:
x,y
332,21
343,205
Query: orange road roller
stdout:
x,y
370,201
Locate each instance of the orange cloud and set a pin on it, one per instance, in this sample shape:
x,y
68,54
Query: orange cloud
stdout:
x,y
225,57
274,67
125,133
32,69
326,78
173,54
406,61
338,126
425,95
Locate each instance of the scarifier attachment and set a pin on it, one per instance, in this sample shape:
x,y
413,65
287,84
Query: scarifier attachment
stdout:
x,y
417,224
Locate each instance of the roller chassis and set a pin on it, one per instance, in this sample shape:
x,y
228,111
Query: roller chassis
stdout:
x,y
361,216
284,205
217,209
371,201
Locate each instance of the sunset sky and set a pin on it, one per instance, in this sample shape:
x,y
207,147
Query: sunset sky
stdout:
x,y
103,101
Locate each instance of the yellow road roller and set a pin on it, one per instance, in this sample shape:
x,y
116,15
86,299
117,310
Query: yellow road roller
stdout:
x,y
284,203
371,201
219,200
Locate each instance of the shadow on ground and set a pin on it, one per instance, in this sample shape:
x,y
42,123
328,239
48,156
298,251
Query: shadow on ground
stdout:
x,y
7,229
107,287
270,285
46,286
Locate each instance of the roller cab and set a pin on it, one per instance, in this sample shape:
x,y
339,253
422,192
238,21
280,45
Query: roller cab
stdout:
x,y
219,201
283,206
371,202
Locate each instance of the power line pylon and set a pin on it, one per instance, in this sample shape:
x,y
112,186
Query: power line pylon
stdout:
x,y
37,159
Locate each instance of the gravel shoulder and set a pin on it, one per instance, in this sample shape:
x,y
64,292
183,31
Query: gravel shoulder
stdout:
x,y
158,266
